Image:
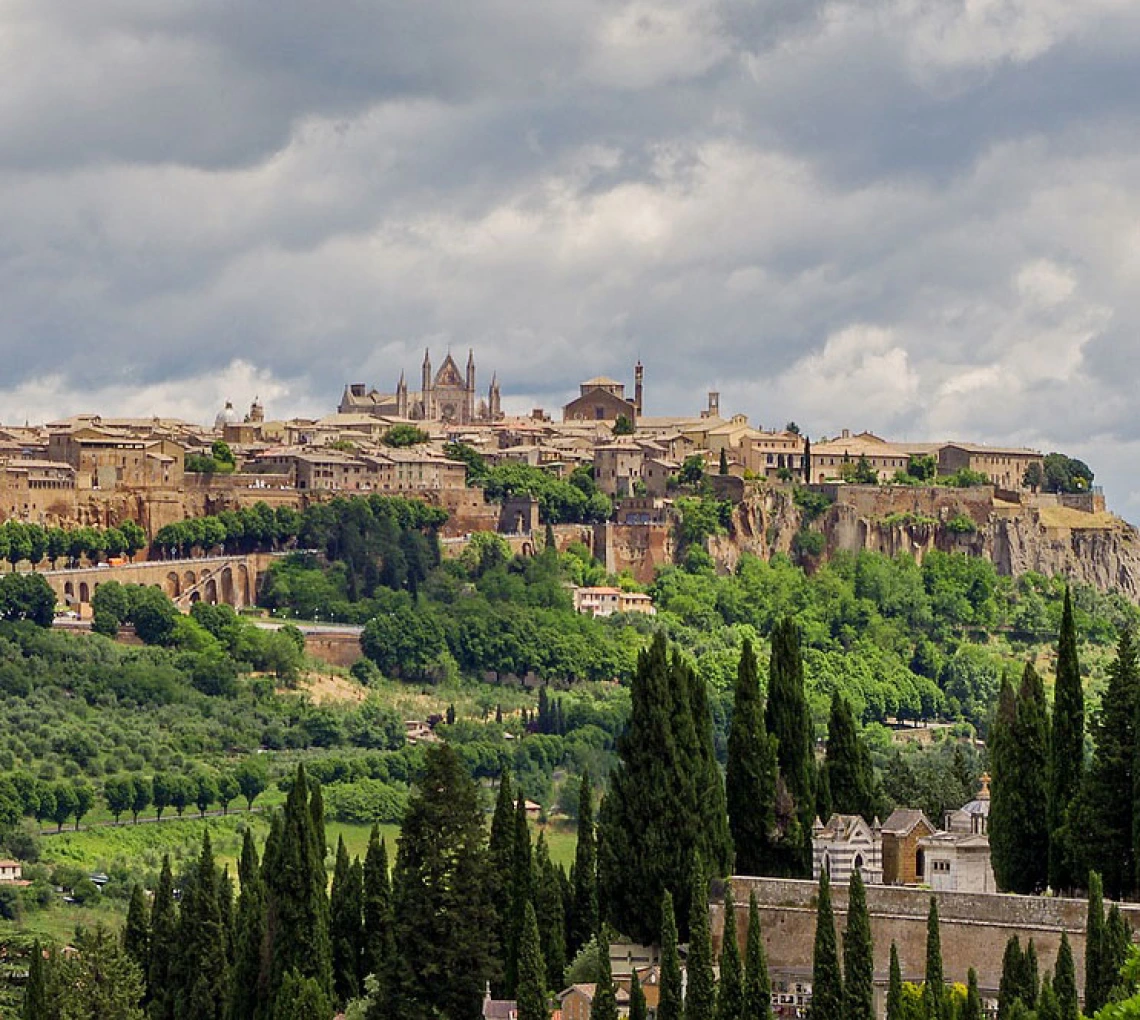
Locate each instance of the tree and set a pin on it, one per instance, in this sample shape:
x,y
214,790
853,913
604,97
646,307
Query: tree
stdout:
x,y
249,930
346,932
163,946
1034,476
532,1003
789,722
141,793
443,916
848,772
1019,763
98,982
1096,949
934,989
638,1009
521,893
153,614
252,776
973,1008
700,991
1066,746
670,994
27,597
722,468
136,931
117,792
36,1005
757,986
378,955
864,473
584,906
1065,981
730,989
63,803
201,968
604,1006
404,435
665,804
205,792
551,913
826,980
895,1002
751,773
623,426
301,998
858,955
1011,990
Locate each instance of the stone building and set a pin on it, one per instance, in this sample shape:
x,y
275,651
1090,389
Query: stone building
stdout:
x,y
110,459
1004,466
38,491
903,859
847,844
829,456
958,858
603,399
446,395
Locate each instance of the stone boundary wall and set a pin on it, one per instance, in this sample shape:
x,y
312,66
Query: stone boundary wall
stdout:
x,y
974,927
929,500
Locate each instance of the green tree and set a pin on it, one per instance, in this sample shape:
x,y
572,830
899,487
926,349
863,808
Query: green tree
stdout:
x,y
826,979
98,982
700,991
973,1007
583,918
405,435
521,893
136,931
201,969
27,597
934,988
858,955
751,773
604,1006
36,1006
730,988
789,722
638,1009
378,956
1012,971
443,917
163,947
249,931
848,772
532,1002
757,986
1066,747
301,998
117,792
141,793
346,932
1019,742
551,913
669,1001
1065,981
723,465
896,1006
252,775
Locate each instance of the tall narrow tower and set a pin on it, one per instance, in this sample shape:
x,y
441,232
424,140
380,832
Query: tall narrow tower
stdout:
x,y
402,397
494,399
638,384
469,397
425,388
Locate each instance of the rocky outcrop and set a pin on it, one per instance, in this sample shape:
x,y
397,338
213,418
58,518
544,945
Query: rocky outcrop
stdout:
x,y
1095,548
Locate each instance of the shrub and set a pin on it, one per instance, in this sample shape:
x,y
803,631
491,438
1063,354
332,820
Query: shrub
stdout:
x,y
962,524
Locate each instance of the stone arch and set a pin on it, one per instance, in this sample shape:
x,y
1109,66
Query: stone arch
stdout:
x,y
210,595
227,589
84,592
827,863
920,863
195,596
190,579
244,593
68,592
173,585
859,863
527,549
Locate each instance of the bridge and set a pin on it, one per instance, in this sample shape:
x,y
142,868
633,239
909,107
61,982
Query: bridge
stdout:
x,y
234,580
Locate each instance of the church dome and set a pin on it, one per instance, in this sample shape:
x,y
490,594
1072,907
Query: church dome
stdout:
x,y
227,416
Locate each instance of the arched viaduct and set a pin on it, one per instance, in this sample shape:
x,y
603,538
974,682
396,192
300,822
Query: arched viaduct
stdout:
x,y
233,580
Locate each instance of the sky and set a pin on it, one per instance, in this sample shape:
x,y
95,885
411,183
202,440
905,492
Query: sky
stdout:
x,y
918,217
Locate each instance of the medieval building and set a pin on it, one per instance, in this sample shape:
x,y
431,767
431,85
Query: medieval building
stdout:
x,y
446,395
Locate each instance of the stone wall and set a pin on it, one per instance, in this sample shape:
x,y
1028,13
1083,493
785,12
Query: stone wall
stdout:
x,y
337,649
974,927
939,502
638,548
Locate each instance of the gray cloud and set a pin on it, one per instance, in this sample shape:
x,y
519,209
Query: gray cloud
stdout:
x,y
915,217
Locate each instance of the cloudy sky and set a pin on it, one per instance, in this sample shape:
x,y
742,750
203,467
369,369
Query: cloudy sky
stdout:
x,y
920,217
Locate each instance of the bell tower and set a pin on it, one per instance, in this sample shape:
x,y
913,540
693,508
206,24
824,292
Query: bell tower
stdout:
x,y
425,388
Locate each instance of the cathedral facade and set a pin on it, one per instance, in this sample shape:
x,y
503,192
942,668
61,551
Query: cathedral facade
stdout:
x,y
446,395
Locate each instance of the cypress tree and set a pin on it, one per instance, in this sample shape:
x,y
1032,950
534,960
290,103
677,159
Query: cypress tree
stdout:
x,y
443,914
1066,746
847,769
521,893
669,998
531,971
301,998
789,722
346,933
604,1006
163,946
1101,829
1019,760
136,933
973,1009
379,947
317,822
501,851
666,797
584,907
895,1007
757,986
297,907
201,973
36,1005
1029,982
226,912
1012,969
249,928
826,980
1065,981
730,989
700,991
858,955
637,1005
1096,949
551,916
750,776
934,987
1048,1008
1118,939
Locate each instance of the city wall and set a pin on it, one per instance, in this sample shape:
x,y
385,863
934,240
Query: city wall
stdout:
x,y
974,927
873,501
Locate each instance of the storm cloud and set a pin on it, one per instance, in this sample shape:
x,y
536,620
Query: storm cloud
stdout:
x,y
919,217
